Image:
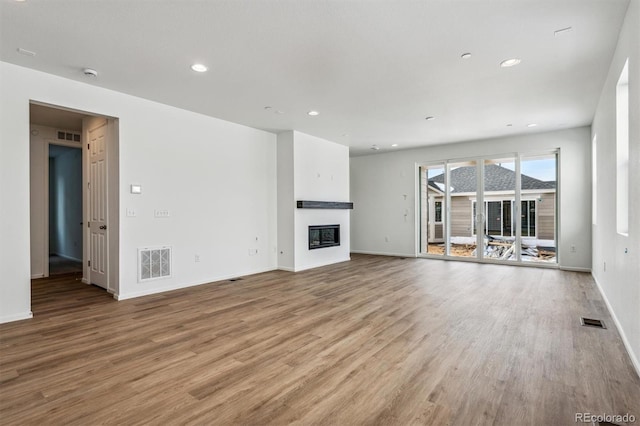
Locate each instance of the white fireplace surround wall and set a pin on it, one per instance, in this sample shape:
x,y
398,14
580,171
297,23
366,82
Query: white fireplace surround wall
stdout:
x,y
310,168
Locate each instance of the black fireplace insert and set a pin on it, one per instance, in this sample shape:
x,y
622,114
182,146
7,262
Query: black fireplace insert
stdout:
x,y
321,236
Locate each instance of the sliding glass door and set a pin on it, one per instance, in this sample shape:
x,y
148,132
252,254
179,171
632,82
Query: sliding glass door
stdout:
x,y
432,209
499,185
539,208
503,205
462,191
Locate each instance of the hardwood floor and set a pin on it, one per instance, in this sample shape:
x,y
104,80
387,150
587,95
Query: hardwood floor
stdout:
x,y
376,340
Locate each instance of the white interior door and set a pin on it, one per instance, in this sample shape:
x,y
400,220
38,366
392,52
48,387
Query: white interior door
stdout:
x,y
97,189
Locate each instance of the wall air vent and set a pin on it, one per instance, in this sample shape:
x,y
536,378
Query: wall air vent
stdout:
x,y
154,263
66,135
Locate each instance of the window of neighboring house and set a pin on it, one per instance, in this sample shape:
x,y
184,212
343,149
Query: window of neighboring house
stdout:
x,y
528,218
438,208
622,151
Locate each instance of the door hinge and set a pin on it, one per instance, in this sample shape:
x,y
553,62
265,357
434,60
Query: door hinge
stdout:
x,y
88,263
88,224
88,145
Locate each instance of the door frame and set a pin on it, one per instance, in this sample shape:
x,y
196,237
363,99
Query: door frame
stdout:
x,y
47,199
113,199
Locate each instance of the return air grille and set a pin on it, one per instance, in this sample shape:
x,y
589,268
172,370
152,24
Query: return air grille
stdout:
x,y
154,263
65,135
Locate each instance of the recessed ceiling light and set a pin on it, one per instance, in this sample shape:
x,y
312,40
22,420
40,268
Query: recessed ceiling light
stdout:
x,y
199,68
394,145
375,147
90,72
532,125
509,125
313,113
267,107
562,31
466,55
510,62
429,118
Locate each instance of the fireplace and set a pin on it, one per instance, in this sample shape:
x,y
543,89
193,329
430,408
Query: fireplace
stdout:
x,y
321,236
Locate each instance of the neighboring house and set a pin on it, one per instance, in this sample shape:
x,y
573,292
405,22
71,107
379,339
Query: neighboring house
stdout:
x,y
538,204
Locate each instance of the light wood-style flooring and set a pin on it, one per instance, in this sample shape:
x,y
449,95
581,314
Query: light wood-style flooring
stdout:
x,y
378,340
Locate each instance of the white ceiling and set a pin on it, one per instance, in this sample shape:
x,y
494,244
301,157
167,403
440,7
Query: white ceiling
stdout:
x,y
373,69
53,117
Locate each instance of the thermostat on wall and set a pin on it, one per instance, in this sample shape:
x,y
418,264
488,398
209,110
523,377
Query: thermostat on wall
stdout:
x,y
136,189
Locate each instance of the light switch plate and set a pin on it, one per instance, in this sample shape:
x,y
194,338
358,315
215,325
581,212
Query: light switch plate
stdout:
x,y
136,189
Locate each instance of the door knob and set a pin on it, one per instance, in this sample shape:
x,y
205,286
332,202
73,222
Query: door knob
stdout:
x,y
103,226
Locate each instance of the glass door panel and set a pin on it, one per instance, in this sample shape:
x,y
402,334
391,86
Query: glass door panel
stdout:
x,y
538,208
499,195
463,212
432,209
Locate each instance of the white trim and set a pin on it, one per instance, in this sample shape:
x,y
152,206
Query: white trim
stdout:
x,y
16,317
178,286
86,281
489,261
574,269
381,253
285,268
634,359
36,276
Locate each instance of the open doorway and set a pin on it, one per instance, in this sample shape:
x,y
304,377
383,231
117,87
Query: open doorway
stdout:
x,y
74,205
65,209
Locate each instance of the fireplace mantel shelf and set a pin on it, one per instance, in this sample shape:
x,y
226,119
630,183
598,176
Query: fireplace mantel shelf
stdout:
x,y
305,204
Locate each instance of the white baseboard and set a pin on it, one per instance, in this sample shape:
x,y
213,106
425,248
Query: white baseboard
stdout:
x,y
574,269
627,345
147,292
16,317
286,268
381,253
86,281
36,276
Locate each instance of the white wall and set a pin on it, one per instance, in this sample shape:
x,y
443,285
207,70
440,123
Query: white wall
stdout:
x,y
38,199
321,174
218,180
619,283
320,171
384,191
286,200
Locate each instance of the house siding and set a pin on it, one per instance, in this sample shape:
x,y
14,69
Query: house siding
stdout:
x,y
461,208
546,217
